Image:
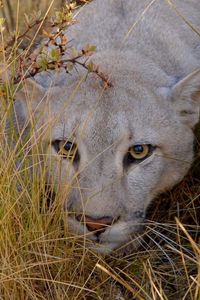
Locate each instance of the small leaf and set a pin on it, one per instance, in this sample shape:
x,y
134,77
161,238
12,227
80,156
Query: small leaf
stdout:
x,y
88,50
92,48
45,33
43,63
55,54
91,67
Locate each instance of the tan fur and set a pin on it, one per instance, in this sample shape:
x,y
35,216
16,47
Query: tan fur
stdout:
x,y
152,58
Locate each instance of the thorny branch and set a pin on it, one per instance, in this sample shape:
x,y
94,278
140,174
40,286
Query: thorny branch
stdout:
x,y
56,51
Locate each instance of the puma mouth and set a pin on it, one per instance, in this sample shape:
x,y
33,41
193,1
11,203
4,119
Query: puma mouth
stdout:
x,y
108,240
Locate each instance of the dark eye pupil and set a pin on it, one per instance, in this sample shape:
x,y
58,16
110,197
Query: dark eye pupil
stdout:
x,y
68,146
138,148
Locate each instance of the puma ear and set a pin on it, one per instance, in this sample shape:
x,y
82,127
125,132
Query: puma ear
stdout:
x,y
186,98
31,91
27,99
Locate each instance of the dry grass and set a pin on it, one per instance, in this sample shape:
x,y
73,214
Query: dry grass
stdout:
x,y
41,260
14,10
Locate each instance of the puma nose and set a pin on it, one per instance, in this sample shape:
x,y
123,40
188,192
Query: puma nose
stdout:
x,y
95,223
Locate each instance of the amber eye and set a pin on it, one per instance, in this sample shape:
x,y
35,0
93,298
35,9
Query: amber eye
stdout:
x,y
139,151
65,148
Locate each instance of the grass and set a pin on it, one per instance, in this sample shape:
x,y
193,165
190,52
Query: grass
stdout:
x,y
10,10
41,260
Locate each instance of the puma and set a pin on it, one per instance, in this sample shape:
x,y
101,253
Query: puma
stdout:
x,y
119,147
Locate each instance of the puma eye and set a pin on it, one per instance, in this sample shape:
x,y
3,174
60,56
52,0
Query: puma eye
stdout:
x,y
139,152
66,149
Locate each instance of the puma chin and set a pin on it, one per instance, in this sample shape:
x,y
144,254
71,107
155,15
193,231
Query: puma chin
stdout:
x,y
112,150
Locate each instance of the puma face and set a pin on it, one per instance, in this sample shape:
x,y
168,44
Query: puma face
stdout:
x,y
117,149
